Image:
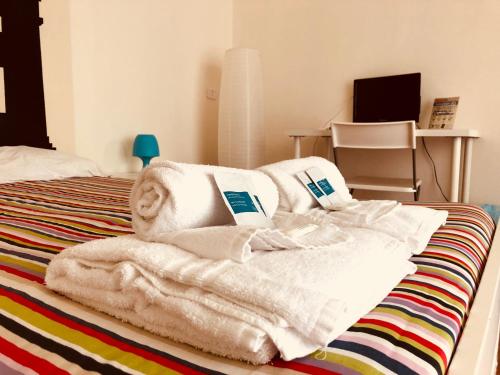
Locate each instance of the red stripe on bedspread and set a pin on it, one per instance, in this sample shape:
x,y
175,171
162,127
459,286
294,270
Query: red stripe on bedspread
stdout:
x,y
24,275
28,360
96,334
304,368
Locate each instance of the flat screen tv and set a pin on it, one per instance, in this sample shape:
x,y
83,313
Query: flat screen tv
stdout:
x,y
390,98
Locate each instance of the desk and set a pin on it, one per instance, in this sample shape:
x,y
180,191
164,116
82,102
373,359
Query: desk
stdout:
x,y
457,168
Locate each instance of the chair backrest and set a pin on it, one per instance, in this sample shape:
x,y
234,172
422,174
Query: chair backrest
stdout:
x,y
375,135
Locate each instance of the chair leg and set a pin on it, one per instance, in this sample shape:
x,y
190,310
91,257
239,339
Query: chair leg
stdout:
x,y
416,194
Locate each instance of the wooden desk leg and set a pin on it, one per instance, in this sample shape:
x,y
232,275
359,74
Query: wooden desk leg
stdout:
x,y
296,143
329,154
455,169
467,167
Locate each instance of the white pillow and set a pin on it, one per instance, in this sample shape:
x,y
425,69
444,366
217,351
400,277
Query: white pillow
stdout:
x,y
23,163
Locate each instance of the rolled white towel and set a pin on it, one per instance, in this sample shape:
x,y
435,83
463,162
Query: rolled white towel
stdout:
x,y
169,196
293,196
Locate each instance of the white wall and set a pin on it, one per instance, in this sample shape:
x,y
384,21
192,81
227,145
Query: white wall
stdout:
x,y
144,67
116,68
57,75
313,49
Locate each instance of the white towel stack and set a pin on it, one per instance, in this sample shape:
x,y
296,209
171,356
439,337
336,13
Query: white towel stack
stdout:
x,y
223,288
300,300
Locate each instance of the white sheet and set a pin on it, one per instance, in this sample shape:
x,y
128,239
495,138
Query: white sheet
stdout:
x,y
23,163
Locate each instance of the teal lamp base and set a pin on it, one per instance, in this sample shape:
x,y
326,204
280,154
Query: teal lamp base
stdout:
x,y
145,161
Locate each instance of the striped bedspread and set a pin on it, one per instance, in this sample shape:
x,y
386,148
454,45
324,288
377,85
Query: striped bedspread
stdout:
x,y
413,331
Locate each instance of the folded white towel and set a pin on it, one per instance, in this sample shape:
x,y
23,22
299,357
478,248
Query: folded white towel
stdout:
x,y
359,213
169,196
413,225
239,243
189,322
301,299
293,196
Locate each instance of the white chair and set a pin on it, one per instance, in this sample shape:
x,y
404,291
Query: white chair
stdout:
x,y
380,135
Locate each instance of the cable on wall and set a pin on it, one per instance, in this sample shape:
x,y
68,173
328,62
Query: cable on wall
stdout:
x,y
341,109
434,169
327,124
314,145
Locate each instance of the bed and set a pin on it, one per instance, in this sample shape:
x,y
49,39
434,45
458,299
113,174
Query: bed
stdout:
x,y
414,330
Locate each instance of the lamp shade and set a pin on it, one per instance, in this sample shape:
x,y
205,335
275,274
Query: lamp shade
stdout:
x,y
241,133
146,148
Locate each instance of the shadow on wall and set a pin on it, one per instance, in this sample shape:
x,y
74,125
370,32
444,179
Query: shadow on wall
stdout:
x,y
133,163
208,109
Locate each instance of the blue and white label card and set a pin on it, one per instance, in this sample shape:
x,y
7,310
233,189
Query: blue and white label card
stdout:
x,y
324,185
313,189
241,198
336,201
240,201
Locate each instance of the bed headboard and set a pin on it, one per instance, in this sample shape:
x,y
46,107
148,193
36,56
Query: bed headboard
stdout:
x,y
23,120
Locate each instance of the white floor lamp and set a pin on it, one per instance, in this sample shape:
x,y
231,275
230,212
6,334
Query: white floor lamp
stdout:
x,y
241,125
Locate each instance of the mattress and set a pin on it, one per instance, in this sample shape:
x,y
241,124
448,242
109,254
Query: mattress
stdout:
x,y
414,330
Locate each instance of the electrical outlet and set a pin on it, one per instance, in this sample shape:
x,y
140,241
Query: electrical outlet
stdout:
x,y
212,94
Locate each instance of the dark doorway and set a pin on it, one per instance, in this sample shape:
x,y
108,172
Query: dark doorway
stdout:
x,y
23,122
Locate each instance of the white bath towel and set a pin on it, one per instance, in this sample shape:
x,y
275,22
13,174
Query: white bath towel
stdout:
x,y
413,225
169,196
365,212
239,243
300,299
191,323
293,196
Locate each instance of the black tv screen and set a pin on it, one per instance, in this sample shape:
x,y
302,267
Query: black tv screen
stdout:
x,y
390,98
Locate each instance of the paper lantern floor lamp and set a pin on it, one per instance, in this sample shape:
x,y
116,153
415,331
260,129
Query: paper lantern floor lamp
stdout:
x,y
146,148
241,127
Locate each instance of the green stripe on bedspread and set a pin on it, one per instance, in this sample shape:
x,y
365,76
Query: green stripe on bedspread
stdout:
x,y
413,331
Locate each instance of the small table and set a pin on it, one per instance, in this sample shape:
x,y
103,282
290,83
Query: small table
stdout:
x,y
457,168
